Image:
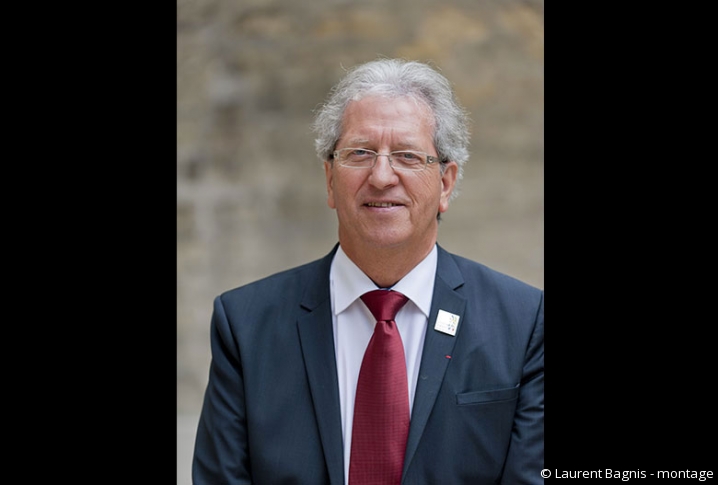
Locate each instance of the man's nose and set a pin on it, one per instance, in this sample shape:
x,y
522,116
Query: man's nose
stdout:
x,y
382,173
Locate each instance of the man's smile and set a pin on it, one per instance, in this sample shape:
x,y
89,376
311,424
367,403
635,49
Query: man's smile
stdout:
x,y
382,204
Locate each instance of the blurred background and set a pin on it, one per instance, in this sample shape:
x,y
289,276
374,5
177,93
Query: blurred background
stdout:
x,y
251,196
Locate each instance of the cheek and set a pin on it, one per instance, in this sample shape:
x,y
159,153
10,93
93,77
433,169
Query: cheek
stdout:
x,y
427,189
340,189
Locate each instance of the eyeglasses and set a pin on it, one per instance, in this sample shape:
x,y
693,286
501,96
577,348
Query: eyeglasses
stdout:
x,y
403,160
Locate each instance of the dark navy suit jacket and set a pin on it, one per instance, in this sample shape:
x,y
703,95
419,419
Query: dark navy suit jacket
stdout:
x,y
271,412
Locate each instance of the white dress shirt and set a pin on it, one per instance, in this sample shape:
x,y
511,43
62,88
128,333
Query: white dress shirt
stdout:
x,y
354,325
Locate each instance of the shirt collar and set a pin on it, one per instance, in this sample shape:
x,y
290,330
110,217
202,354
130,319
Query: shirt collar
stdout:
x,y
349,282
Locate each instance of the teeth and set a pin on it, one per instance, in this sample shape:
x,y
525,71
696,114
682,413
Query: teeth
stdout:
x,y
380,204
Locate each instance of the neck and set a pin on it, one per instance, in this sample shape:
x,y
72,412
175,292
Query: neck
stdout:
x,y
386,266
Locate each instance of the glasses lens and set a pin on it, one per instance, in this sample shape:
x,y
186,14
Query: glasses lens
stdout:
x,y
356,157
407,160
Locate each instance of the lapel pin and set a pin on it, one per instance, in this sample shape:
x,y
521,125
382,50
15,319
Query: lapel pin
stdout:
x,y
446,322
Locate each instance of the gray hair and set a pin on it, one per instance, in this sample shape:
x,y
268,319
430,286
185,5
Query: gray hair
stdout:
x,y
391,78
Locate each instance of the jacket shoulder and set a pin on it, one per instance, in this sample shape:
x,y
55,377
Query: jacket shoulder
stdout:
x,y
493,285
474,269
288,285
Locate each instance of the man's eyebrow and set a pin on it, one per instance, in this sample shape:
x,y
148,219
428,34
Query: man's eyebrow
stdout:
x,y
407,146
364,142
358,142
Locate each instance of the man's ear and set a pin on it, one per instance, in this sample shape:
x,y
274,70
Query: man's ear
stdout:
x,y
330,177
448,181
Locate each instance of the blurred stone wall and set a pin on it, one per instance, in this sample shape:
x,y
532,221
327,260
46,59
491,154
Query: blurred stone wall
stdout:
x,y
251,196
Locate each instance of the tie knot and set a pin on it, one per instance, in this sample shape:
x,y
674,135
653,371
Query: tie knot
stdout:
x,y
383,304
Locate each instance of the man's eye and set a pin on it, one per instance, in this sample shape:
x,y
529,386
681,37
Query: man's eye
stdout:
x,y
408,156
359,152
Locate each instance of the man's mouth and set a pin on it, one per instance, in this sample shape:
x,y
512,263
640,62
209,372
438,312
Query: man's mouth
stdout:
x,y
381,204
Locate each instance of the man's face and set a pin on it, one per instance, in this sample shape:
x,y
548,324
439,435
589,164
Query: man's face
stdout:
x,y
381,207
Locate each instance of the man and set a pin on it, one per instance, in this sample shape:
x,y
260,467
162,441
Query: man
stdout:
x,y
283,401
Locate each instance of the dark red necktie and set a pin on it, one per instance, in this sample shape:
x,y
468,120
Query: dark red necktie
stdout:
x,y
381,408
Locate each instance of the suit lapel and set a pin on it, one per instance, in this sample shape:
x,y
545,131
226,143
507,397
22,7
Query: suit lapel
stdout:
x,y
317,342
437,346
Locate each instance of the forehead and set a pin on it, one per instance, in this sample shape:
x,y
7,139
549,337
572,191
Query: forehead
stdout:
x,y
406,120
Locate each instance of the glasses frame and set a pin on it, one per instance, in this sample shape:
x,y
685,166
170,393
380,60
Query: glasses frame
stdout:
x,y
389,156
